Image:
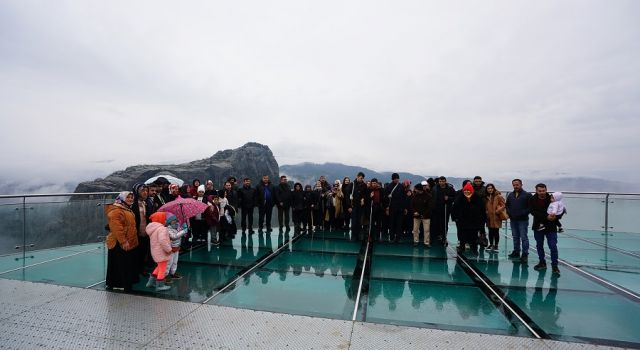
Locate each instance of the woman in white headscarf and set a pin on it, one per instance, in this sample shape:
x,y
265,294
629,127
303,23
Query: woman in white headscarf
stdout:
x,y
121,243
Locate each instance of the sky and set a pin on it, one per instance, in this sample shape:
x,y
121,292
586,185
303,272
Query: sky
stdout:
x,y
497,88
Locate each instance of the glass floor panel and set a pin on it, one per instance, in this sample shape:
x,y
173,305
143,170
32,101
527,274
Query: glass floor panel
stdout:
x,y
572,315
79,270
307,243
418,269
314,263
442,306
303,294
15,261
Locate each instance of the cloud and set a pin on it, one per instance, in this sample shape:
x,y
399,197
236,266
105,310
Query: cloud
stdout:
x,y
428,87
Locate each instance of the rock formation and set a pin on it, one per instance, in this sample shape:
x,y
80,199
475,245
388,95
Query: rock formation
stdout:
x,y
252,160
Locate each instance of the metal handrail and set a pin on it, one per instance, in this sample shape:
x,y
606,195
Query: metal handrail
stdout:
x,y
56,194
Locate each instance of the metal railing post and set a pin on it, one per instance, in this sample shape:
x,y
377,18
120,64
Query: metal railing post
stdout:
x,y
24,230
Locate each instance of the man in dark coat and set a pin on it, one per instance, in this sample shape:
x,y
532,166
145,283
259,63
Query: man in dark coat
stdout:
x,y
396,206
247,201
357,205
265,201
544,226
518,210
282,195
443,196
231,195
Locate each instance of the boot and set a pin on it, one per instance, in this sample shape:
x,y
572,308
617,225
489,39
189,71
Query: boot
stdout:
x,y
151,282
160,286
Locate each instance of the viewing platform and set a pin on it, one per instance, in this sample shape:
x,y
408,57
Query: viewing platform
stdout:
x,y
326,290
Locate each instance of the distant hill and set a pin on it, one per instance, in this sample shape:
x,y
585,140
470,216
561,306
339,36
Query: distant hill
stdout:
x,y
307,173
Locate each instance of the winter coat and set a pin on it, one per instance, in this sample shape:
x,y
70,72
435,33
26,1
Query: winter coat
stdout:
x,y
439,203
421,203
260,195
122,227
231,196
283,195
160,242
312,198
396,197
539,212
247,197
346,191
469,214
298,200
518,206
494,204
359,192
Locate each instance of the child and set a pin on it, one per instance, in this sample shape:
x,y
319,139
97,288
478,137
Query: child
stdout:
x,y
176,239
212,216
557,208
227,223
160,249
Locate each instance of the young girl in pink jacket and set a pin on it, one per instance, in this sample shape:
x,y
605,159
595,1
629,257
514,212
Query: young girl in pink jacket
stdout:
x,y
160,248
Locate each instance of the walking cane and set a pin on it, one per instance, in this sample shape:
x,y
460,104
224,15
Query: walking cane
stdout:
x,y
370,221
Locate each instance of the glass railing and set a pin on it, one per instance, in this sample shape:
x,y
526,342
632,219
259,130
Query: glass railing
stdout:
x,y
57,238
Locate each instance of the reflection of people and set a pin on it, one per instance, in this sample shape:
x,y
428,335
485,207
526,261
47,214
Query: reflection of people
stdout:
x,y
544,307
121,243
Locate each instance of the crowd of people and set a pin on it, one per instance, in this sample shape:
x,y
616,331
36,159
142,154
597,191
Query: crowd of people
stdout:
x,y
150,241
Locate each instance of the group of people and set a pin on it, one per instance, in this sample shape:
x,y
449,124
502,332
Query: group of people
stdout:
x,y
141,241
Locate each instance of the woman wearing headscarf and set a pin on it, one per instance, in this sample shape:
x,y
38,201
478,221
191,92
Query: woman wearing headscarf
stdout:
x,y
142,210
470,214
347,192
121,242
495,204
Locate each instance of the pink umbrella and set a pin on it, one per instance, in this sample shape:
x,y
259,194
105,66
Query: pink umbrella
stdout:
x,y
184,208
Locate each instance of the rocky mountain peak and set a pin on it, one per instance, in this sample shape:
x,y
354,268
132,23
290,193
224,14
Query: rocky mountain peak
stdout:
x,y
252,160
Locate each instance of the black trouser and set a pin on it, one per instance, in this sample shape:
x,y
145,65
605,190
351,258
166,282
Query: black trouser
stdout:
x,y
247,213
375,224
494,236
298,219
395,221
283,216
264,211
470,236
356,219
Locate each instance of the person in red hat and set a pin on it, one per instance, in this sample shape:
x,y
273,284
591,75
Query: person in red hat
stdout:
x,y
470,215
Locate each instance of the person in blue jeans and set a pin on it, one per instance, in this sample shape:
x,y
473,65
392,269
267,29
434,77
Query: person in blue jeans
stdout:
x,y
518,210
544,226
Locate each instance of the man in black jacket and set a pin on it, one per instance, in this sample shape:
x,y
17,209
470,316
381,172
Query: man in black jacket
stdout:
x,y
283,202
265,201
396,206
518,210
357,205
544,225
443,196
246,201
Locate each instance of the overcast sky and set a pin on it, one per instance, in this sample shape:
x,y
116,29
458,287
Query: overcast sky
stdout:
x,y
496,88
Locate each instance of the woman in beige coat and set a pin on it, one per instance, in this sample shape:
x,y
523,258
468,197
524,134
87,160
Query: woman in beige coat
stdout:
x,y
496,213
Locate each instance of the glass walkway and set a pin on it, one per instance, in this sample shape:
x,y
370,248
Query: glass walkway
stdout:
x,y
333,275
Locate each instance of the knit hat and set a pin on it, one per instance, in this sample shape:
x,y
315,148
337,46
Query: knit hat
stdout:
x,y
138,187
424,183
173,187
201,188
159,217
395,176
468,187
170,217
406,182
